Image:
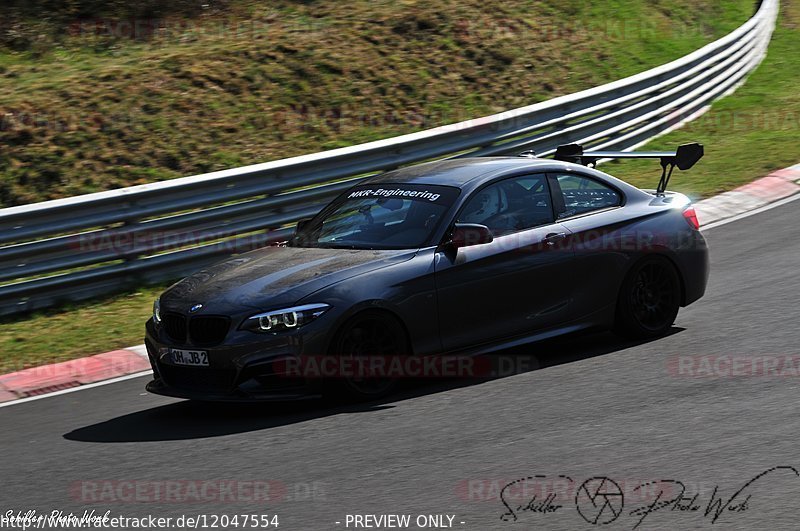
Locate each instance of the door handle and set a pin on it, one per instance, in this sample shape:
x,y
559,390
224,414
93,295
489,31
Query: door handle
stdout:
x,y
554,237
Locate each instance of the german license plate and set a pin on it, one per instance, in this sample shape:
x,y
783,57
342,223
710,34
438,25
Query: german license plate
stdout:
x,y
193,358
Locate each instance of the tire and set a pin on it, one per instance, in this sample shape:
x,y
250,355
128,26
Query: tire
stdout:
x,y
367,335
649,299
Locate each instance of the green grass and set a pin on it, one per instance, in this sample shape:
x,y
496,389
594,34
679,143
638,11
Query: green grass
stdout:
x,y
440,88
747,135
75,331
81,112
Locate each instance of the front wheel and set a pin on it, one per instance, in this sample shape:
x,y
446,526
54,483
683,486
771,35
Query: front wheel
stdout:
x,y
649,299
372,340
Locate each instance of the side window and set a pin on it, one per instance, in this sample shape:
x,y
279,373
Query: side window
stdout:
x,y
511,205
582,195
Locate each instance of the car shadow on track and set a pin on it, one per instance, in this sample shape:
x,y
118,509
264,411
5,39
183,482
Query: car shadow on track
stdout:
x,y
190,420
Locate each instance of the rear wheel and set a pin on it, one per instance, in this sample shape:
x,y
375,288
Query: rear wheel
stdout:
x,y
649,299
361,340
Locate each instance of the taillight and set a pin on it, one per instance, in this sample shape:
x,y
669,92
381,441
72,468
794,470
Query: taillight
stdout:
x,y
691,218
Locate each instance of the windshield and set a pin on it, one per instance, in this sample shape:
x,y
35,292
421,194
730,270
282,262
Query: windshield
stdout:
x,y
387,217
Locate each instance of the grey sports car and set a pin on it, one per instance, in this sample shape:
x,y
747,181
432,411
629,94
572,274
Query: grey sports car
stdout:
x,y
459,257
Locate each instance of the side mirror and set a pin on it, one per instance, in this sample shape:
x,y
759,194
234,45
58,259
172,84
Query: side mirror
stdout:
x,y
469,234
302,225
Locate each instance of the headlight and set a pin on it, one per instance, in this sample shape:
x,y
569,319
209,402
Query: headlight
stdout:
x,y
282,320
157,310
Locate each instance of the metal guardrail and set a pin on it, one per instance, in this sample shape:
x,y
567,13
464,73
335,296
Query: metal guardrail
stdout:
x,y
80,247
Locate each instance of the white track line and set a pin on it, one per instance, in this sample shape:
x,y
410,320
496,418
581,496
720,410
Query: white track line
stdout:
x,y
719,223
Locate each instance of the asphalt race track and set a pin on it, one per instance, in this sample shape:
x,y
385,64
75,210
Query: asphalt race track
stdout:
x,y
596,407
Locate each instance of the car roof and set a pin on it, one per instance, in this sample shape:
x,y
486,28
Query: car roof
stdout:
x,y
458,172
469,174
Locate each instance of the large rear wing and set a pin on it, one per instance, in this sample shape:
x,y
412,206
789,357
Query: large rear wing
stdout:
x,y
684,158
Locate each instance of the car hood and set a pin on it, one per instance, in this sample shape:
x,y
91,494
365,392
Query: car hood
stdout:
x,y
272,277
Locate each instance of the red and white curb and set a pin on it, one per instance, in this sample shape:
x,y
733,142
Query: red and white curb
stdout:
x,y
759,193
56,377
113,366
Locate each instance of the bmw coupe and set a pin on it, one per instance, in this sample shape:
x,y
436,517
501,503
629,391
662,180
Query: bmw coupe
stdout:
x,y
464,256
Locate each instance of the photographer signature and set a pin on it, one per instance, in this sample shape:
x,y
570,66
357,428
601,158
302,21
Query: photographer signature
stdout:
x,y
600,500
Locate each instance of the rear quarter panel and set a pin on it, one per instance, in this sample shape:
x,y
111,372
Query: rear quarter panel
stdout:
x,y
607,244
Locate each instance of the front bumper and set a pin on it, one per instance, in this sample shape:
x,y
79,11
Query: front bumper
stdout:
x,y
246,367
158,387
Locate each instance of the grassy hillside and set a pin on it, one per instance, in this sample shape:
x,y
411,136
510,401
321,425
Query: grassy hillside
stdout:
x,y
98,95
747,135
